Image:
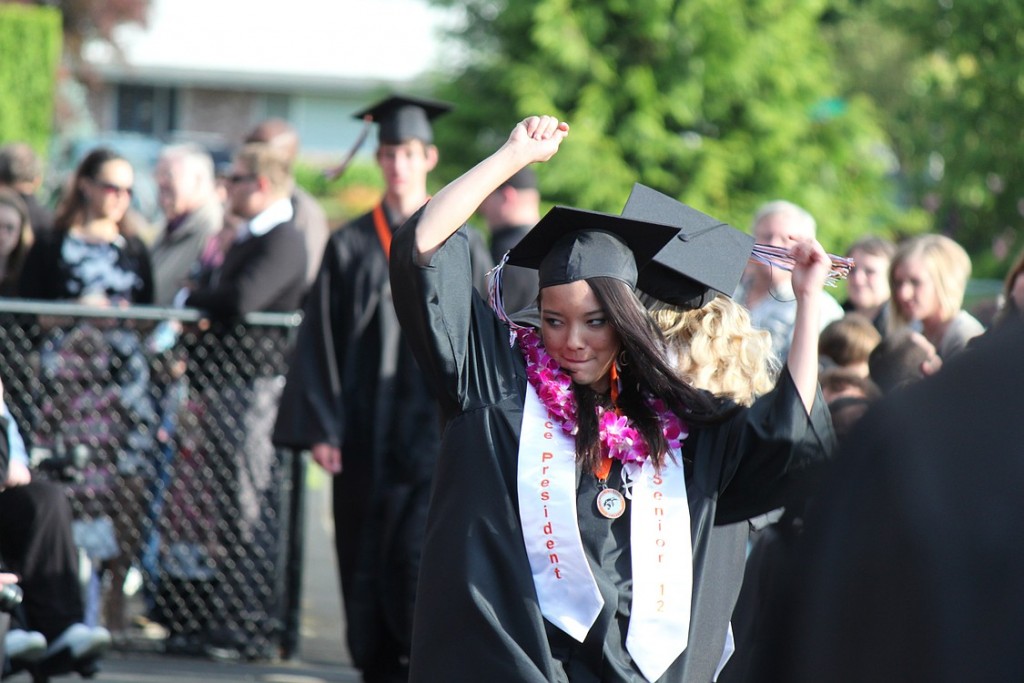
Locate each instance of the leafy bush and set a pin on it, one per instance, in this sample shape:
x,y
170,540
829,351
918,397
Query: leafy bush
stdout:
x,y
30,48
347,197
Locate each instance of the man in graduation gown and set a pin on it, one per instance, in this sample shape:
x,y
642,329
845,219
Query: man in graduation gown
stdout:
x,y
356,398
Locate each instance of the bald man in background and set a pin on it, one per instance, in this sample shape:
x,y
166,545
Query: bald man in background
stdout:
x,y
309,218
767,292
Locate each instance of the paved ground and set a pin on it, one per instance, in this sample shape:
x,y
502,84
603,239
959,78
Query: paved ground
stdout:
x,y
322,657
120,668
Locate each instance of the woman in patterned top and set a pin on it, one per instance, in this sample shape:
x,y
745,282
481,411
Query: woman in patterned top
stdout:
x,y
90,257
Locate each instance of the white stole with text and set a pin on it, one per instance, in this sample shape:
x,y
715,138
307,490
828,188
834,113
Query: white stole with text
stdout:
x,y
662,557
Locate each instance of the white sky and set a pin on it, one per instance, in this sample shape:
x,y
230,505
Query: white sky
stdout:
x,y
390,40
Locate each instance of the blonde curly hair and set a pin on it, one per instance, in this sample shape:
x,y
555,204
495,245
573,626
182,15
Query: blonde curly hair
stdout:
x,y
717,349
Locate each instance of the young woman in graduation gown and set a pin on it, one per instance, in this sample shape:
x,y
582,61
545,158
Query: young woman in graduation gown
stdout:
x,y
523,577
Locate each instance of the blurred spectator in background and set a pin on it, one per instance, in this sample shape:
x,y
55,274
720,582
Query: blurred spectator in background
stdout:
x,y
715,348
867,288
928,279
193,218
510,212
92,255
902,358
264,269
309,217
1011,305
768,292
848,342
848,394
838,383
16,239
37,544
192,215
22,171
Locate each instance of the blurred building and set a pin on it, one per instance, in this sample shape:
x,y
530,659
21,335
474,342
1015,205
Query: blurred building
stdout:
x,y
208,70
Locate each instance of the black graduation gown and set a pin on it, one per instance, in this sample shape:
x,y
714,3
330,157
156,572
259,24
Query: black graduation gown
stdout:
x,y
353,383
5,447
477,616
910,567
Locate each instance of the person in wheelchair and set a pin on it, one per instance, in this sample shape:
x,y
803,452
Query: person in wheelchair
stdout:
x,y
37,546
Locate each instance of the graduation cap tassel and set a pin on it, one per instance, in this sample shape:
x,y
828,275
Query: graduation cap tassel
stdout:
x,y
336,171
496,299
779,257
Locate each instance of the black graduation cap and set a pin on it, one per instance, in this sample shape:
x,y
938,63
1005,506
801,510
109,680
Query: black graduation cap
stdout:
x,y
705,257
573,244
401,118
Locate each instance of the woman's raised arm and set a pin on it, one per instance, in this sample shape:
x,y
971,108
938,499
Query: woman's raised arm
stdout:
x,y
811,266
534,139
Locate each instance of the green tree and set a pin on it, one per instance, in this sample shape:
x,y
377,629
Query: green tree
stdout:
x,y
77,22
952,91
30,44
720,103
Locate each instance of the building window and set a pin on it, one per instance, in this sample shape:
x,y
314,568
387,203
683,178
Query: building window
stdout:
x,y
277,106
147,109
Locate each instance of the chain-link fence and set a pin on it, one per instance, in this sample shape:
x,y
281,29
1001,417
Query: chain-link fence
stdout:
x,y
158,424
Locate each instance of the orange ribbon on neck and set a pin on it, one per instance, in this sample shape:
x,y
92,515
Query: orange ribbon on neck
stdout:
x,y
380,222
614,381
604,467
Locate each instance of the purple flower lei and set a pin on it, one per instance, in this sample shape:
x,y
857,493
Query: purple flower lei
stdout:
x,y
619,438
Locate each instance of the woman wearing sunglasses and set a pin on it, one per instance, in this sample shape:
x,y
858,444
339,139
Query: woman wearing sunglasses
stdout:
x,y
95,389
91,255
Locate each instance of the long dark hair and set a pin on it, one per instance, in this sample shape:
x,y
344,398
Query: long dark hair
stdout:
x,y
16,259
71,209
644,368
